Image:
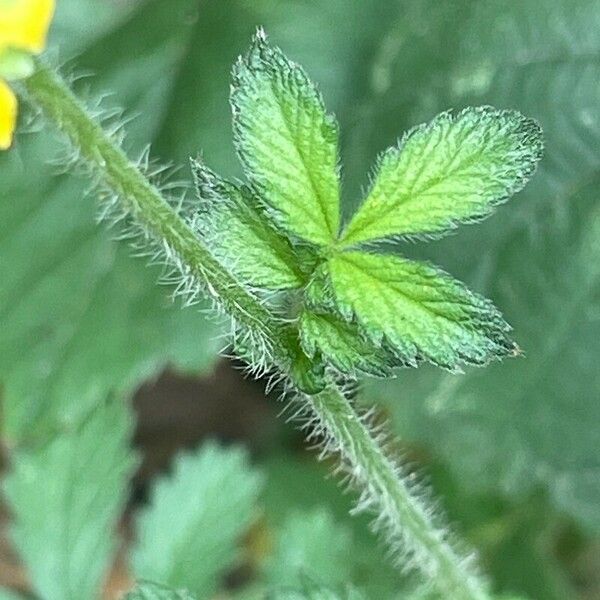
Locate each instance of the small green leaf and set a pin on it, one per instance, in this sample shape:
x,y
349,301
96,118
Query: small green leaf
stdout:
x,y
187,536
309,375
318,293
453,170
238,231
153,591
287,142
65,498
419,310
343,345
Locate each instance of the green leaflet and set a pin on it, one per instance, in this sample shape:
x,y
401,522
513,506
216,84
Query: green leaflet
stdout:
x,y
453,170
66,498
238,231
286,142
214,491
318,293
343,345
153,591
421,311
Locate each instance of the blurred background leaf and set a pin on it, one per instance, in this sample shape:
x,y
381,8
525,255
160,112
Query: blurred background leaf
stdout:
x,y
66,497
80,316
298,493
529,423
311,545
189,534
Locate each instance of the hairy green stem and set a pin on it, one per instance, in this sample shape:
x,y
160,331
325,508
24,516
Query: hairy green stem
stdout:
x,y
407,522
402,515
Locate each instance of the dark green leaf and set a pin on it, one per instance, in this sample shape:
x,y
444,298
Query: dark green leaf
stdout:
x,y
80,317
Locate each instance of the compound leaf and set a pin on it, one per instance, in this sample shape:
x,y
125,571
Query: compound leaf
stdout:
x,y
66,497
154,591
422,312
287,142
238,231
453,170
214,492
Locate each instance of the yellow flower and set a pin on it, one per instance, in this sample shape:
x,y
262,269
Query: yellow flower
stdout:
x,y
23,29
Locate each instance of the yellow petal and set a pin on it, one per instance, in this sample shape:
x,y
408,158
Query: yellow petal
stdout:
x,y
8,115
24,24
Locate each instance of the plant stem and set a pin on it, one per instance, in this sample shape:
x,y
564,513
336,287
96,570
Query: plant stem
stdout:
x,y
406,518
401,514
